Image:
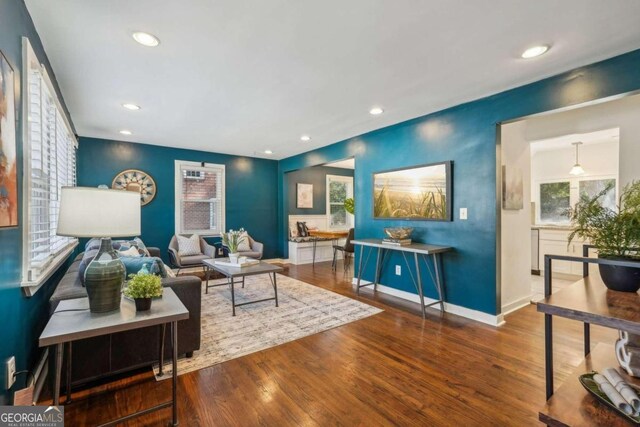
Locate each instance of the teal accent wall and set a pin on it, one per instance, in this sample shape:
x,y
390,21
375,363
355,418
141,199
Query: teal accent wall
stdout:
x,y
318,177
23,318
251,192
465,134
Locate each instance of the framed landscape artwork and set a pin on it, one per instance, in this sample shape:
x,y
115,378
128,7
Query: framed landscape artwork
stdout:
x,y
417,193
8,173
305,196
512,188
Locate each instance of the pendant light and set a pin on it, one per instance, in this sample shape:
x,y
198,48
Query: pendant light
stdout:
x,y
576,169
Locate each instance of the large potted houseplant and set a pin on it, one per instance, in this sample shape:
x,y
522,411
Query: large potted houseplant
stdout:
x,y
142,287
231,241
614,233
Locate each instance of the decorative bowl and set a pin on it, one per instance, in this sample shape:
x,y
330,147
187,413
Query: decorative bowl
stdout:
x,y
398,233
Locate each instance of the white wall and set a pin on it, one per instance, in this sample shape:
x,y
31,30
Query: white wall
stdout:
x,y
515,238
599,161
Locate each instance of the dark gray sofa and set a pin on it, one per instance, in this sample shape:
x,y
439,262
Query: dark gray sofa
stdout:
x,y
98,357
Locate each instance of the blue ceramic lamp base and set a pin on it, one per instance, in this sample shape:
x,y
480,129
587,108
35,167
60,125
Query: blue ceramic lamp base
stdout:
x,y
104,278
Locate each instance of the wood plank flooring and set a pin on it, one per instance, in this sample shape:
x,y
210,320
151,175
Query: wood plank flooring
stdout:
x,y
393,368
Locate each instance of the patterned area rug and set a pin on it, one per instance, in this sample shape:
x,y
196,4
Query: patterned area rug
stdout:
x,y
303,310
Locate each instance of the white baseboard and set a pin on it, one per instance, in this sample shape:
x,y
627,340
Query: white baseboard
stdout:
x,y
516,305
476,315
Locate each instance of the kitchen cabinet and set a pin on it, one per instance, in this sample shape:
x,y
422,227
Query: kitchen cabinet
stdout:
x,y
555,242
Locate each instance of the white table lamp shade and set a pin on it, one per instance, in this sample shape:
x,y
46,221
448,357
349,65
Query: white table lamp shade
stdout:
x,y
97,212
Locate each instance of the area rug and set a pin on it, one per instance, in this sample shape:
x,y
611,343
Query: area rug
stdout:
x,y
303,310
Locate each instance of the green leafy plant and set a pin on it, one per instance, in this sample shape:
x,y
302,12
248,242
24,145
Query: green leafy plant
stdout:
x,y
143,285
232,239
614,233
349,205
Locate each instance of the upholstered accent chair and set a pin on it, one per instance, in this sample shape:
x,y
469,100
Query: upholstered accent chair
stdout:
x,y
207,252
256,251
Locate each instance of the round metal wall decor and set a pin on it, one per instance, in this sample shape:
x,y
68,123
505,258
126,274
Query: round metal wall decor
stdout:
x,y
138,181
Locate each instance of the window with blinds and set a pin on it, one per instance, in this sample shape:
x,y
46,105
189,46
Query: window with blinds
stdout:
x,y
49,165
200,194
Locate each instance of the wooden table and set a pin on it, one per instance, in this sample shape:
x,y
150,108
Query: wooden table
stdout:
x,y
417,249
333,235
588,301
231,273
73,321
572,405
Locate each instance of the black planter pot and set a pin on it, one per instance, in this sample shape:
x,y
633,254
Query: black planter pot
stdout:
x,y
618,278
143,304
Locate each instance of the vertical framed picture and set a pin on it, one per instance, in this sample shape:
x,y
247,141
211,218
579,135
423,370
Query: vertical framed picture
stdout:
x,y
512,188
8,172
305,196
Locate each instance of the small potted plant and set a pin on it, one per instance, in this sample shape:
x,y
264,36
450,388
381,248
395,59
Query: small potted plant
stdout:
x,y
615,234
231,241
142,287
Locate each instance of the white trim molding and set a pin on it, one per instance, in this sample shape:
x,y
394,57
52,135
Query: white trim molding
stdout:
x,y
516,305
479,316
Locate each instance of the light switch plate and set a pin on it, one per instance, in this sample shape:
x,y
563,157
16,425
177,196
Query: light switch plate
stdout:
x,y
463,213
398,270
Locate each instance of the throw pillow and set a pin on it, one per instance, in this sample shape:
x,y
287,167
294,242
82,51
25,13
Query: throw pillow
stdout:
x,y
244,245
142,248
134,264
189,245
303,230
132,251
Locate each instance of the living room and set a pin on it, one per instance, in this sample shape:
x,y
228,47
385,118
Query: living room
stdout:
x,y
314,202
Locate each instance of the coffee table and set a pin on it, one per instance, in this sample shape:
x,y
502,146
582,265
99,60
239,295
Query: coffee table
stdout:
x,y
233,273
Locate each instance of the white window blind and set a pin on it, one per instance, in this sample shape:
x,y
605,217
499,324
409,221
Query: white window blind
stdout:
x,y
200,198
49,165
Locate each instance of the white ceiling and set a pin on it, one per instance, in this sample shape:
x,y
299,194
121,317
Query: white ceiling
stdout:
x,y
562,142
241,77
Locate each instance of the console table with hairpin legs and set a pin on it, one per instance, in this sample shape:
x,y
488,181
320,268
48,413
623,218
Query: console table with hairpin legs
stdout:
x,y
418,250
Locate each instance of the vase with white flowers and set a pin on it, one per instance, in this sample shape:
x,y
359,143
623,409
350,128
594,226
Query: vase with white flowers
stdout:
x,y
231,240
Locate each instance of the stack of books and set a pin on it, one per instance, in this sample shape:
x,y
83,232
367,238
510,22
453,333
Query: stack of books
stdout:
x,y
397,242
242,262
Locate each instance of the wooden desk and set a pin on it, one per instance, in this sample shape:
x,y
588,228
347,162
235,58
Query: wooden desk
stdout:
x,y
73,321
417,249
333,235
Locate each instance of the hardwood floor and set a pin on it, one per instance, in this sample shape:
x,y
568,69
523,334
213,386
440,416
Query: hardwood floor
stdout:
x,y
393,368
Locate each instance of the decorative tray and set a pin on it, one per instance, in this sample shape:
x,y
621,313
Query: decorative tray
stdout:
x,y
590,385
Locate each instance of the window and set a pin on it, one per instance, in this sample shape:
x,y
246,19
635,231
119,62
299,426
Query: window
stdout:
x,y
339,188
556,198
199,198
555,201
49,165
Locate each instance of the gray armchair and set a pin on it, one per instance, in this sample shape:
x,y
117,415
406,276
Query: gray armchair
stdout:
x,y
180,262
256,251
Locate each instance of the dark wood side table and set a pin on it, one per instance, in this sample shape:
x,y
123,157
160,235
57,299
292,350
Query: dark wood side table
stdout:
x,y
73,321
588,301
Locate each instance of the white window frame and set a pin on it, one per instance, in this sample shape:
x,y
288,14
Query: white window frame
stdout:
x,y
349,181
574,193
31,285
204,167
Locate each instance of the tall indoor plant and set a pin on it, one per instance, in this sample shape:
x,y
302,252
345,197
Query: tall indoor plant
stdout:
x,y
614,233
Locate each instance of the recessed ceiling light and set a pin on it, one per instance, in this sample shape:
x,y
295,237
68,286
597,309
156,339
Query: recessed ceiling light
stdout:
x,y
268,152
534,51
125,132
376,111
132,107
146,39
305,138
